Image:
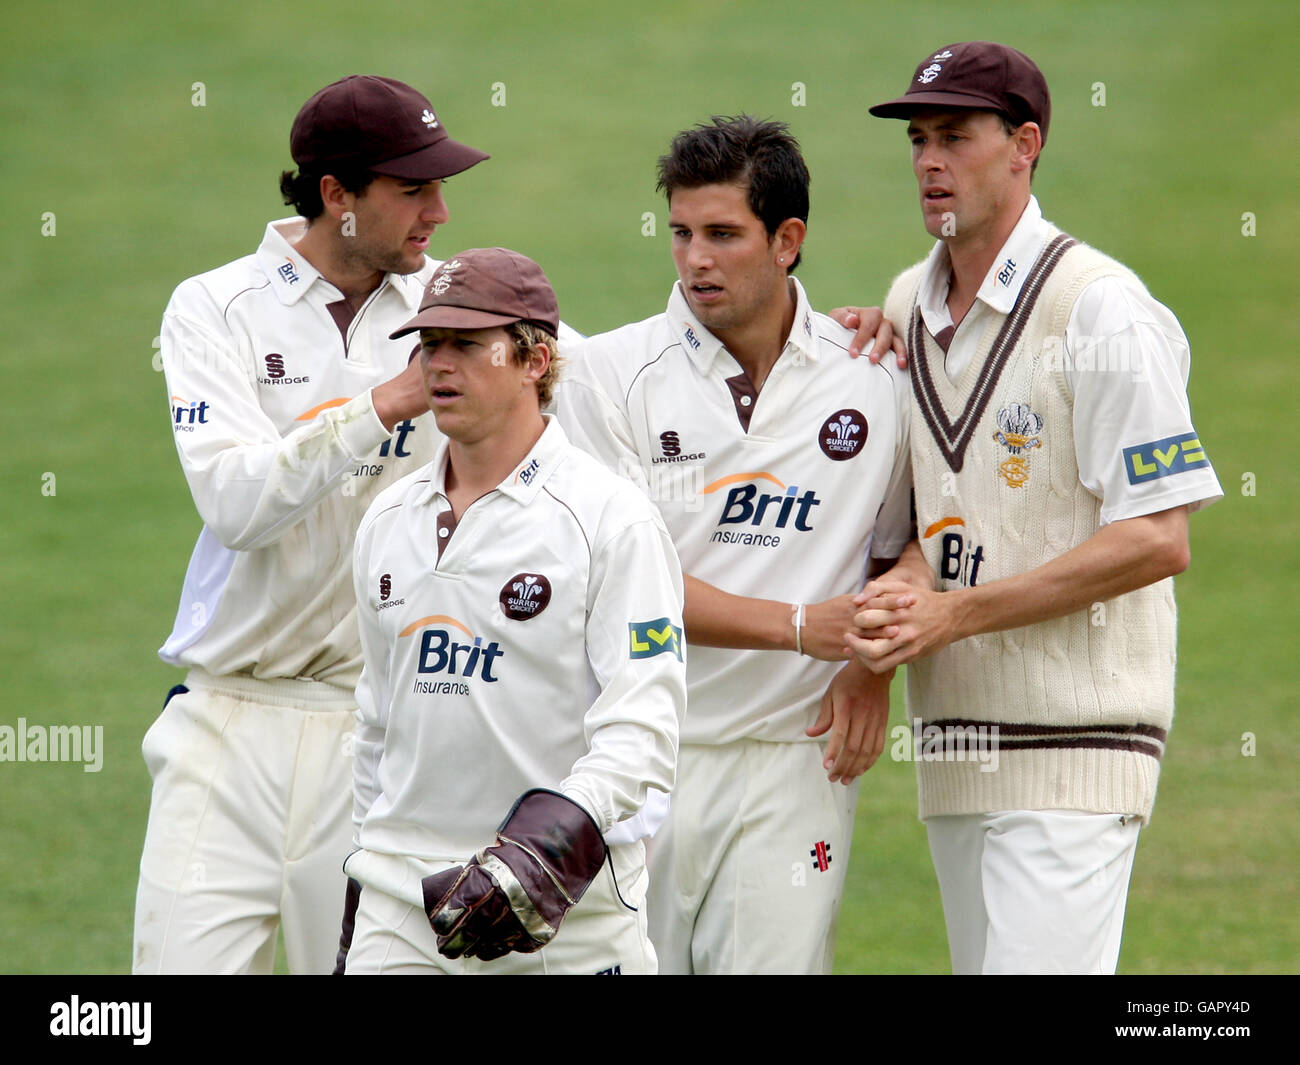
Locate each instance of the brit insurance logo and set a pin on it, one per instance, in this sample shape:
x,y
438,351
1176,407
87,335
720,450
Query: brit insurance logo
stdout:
x,y
959,560
527,473
755,517
524,596
449,650
650,638
843,434
186,414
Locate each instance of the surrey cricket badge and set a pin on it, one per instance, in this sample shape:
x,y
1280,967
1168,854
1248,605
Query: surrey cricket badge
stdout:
x,y
1017,429
524,596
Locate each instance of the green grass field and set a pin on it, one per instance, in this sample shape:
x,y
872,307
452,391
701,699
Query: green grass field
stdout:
x,y
117,187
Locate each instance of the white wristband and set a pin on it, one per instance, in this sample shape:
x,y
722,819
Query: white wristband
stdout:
x,y
797,611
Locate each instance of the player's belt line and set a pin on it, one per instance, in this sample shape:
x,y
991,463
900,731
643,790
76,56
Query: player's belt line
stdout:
x,y
736,478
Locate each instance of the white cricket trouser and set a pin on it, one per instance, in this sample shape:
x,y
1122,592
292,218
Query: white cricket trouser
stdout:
x,y
1034,891
747,874
249,824
603,935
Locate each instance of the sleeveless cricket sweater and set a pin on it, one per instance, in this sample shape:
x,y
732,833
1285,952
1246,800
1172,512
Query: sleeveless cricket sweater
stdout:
x,y
1065,714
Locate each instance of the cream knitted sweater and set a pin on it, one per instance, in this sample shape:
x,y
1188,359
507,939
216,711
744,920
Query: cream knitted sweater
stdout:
x,y
1064,714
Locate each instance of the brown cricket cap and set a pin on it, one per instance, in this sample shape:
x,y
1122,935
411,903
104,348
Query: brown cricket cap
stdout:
x,y
483,287
363,122
978,75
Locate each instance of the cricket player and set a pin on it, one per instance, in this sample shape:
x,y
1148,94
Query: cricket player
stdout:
x,y
780,466
291,408
1055,463
520,615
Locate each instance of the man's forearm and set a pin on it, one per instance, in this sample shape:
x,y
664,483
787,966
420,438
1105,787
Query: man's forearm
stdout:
x,y
901,622
715,618
1117,559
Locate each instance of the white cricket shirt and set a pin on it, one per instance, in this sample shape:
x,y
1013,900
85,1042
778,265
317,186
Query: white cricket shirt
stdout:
x,y
536,643
269,375
774,496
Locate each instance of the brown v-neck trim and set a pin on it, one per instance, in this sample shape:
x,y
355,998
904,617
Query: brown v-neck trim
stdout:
x,y
342,312
944,337
743,397
446,527
954,437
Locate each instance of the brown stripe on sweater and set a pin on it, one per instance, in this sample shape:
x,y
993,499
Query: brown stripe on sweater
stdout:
x,y
1100,743
1016,728
954,437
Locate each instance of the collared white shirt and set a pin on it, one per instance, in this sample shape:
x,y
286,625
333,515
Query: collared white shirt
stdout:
x,y
270,377
1126,360
534,643
775,495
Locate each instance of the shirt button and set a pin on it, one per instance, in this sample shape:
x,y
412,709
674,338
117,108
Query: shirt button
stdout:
x,y
745,401
444,532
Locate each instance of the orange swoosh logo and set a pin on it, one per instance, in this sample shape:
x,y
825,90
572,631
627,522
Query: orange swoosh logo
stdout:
x,y
940,525
434,619
736,478
308,415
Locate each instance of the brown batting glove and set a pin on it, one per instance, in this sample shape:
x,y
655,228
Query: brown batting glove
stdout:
x,y
512,896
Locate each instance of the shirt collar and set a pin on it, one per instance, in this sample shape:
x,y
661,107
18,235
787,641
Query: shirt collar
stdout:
x,y
703,347
1001,288
524,481
291,275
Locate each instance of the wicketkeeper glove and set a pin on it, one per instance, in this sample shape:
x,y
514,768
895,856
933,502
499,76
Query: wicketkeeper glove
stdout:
x,y
512,896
